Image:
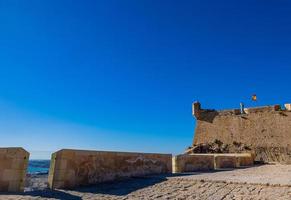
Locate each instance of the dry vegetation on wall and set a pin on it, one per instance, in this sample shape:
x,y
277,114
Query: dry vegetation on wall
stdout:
x,y
218,146
264,131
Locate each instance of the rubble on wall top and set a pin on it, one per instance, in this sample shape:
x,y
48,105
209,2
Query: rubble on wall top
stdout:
x,y
197,111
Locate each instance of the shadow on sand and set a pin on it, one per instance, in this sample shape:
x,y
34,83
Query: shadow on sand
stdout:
x,y
47,193
117,188
127,186
122,187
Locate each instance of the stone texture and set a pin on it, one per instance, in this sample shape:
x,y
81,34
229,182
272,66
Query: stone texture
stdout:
x,y
244,160
266,130
191,163
217,147
72,168
288,106
13,166
233,160
225,161
208,162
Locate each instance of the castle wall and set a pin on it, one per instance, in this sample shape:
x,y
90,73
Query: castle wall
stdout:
x,y
13,166
267,130
73,168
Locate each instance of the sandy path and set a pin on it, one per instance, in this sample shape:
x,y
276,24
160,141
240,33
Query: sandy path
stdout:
x,y
263,182
170,189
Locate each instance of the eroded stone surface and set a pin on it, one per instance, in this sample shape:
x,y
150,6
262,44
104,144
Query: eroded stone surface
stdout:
x,y
288,106
195,162
225,161
265,130
71,168
208,162
245,159
13,166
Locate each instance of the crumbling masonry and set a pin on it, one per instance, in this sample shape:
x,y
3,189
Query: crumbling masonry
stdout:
x,y
264,131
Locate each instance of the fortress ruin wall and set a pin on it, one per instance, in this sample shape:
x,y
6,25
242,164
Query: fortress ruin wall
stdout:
x,y
267,130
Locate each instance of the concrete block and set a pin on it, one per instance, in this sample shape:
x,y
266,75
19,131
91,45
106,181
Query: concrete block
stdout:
x,y
288,106
225,161
12,175
4,185
60,164
13,166
6,163
15,186
193,162
19,164
244,159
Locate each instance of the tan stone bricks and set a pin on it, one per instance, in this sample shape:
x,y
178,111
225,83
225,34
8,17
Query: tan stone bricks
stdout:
x,y
263,130
225,161
288,106
244,160
72,168
262,109
13,166
208,162
195,162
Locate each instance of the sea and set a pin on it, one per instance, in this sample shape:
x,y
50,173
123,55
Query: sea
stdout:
x,y
38,166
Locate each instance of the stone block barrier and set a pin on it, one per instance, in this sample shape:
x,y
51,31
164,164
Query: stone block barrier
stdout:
x,y
245,159
225,161
208,162
72,168
195,162
13,166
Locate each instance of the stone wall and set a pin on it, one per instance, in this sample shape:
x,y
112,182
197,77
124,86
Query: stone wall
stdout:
x,y
191,163
13,166
267,130
208,162
73,168
225,161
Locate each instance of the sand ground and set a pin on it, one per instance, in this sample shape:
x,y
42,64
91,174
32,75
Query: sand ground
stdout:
x,y
260,182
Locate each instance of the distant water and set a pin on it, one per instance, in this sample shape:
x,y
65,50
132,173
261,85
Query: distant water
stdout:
x,y
38,166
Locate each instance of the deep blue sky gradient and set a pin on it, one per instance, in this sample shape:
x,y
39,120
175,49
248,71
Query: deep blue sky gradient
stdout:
x,y
121,75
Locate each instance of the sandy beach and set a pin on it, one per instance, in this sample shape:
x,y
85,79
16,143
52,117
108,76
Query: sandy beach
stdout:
x,y
260,182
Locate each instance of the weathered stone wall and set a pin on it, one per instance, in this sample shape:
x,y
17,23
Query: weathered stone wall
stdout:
x,y
225,161
208,162
191,163
267,130
73,168
13,166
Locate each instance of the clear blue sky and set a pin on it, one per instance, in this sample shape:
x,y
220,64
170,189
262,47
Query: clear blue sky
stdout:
x,y
121,75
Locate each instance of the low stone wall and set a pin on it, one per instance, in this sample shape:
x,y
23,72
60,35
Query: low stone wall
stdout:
x,y
244,159
208,162
13,166
73,168
195,162
225,161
